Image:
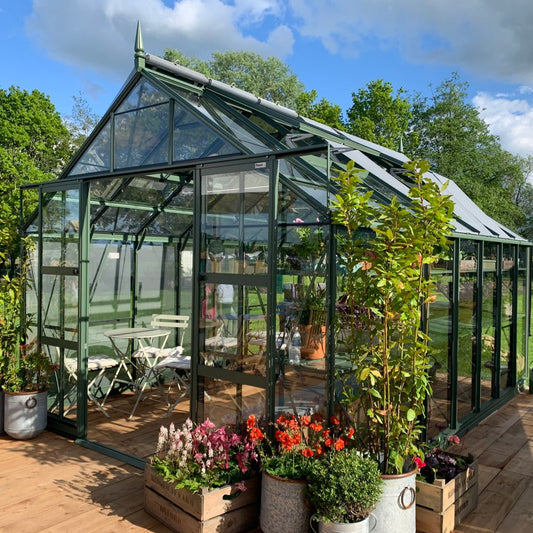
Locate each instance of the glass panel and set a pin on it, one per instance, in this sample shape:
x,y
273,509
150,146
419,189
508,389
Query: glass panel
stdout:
x,y
233,324
231,403
466,356
251,141
301,389
506,315
235,222
440,332
141,137
124,220
60,229
109,284
97,157
489,312
521,318
156,282
193,139
142,95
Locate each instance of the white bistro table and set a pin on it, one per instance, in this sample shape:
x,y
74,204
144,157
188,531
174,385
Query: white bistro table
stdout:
x,y
146,357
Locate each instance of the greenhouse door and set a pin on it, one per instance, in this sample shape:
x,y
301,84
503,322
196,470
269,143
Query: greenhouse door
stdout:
x,y
58,309
233,290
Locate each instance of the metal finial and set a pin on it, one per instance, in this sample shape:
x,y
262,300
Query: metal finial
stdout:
x,y
139,48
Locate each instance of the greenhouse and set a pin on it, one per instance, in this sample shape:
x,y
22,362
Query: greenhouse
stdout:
x,y
196,218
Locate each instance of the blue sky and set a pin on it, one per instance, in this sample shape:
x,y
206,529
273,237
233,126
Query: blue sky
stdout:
x,y
64,47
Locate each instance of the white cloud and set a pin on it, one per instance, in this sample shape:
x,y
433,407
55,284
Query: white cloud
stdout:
x,y
511,119
486,37
100,34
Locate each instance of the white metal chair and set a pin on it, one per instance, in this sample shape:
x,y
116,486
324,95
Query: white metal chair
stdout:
x,y
172,358
97,365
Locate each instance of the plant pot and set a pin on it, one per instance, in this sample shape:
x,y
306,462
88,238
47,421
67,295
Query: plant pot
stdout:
x,y
284,508
441,506
313,342
25,414
363,526
2,412
222,510
396,510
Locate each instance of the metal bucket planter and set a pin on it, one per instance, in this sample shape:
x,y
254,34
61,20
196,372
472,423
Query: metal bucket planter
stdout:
x,y
396,511
284,508
25,414
2,412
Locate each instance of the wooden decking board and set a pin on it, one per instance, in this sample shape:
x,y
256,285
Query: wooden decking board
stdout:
x,y
486,475
50,484
520,518
500,497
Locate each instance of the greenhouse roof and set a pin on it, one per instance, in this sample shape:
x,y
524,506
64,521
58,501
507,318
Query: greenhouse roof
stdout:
x,y
167,115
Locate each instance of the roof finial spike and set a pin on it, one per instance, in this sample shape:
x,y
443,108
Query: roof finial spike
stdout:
x,y
139,49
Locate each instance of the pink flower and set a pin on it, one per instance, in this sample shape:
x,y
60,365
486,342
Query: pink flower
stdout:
x,y
298,221
454,439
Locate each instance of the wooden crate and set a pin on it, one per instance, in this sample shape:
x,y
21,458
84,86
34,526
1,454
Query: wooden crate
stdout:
x,y
441,506
428,521
209,511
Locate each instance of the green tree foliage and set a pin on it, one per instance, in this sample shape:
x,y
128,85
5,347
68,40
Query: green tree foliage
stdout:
x,y
379,115
268,78
322,111
459,145
82,121
34,146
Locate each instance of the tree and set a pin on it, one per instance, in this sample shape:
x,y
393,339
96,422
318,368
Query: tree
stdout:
x,y
82,121
321,111
34,146
378,115
459,145
268,78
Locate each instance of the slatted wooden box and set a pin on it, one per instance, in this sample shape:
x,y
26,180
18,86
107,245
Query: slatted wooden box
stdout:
x,y
441,506
209,511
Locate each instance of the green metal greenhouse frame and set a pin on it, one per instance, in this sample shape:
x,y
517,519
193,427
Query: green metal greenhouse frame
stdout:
x,y
188,186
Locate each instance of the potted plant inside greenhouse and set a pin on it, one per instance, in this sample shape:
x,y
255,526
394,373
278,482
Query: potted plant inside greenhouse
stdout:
x,y
387,347
204,478
344,488
312,320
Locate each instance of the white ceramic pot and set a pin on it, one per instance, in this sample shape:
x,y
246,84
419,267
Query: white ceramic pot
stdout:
x,y
363,526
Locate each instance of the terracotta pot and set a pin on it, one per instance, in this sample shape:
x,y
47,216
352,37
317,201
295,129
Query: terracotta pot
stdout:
x,y
313,342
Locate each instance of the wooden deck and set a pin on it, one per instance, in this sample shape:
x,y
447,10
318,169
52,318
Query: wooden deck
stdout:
x,y
50,484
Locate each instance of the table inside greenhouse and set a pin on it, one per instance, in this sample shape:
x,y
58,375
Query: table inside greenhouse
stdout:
x,y
146,357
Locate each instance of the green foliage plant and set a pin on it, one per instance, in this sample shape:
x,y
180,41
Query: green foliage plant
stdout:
x,y
23,367
387,276
344,486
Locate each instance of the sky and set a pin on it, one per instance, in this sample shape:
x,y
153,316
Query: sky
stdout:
x,y
65,48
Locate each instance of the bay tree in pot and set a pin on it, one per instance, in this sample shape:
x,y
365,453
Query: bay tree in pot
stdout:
x,y
344,488
387,345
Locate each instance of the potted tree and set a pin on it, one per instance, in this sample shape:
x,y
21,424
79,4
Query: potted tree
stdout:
x,y
387,347
344,488
26,391
24,369
312,320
